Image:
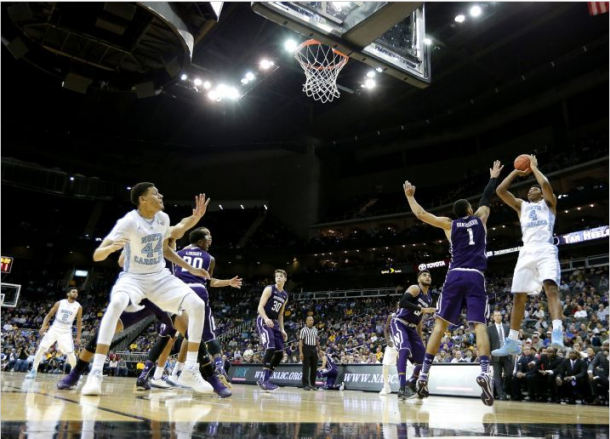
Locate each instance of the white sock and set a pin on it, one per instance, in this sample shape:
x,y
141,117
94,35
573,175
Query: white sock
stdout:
x,y
513,335
557,324
98,362
191,359
158,373
177,368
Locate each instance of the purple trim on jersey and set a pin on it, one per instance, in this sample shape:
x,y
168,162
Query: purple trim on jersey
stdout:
x,y
271,338
468,243
275,302
407,337
463,289
209,326
196,257
423,300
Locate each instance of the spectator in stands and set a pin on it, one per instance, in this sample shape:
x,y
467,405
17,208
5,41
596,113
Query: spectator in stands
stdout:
x,y
602,313
548,368
597,373
580,313
524,374
571,378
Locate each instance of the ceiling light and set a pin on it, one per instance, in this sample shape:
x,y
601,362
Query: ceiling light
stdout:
x,y
184,77
379,70
427,41
265,64
207,85
197,82
233,93
460,18
244,81
370,83
370,74
475,11
290,45
250,76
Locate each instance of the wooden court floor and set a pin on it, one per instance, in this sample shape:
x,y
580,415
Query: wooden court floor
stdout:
x,y
38,410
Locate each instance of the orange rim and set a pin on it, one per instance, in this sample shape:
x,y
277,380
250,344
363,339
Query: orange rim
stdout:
x,y
333,66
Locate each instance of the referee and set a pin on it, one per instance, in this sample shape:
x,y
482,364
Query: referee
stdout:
x,y
308,353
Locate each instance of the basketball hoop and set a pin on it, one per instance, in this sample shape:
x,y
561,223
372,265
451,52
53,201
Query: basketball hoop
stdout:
x,y
321,65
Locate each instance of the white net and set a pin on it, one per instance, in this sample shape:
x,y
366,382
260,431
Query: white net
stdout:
x,y
322,65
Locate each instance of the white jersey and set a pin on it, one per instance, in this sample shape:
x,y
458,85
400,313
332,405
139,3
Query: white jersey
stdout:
x,y
144,252
537,223
65,315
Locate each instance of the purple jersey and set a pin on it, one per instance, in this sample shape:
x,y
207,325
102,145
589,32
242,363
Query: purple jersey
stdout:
x,y
411,316
197,258
275,302
330,364
468,242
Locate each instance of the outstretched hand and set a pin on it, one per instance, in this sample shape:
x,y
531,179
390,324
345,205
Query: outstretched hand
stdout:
x,y
235,282
201,205
533,162
409,189
494,172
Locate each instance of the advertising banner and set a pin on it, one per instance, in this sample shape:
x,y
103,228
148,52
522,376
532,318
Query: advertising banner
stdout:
x,y
446,379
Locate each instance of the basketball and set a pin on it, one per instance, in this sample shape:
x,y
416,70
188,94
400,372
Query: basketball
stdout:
x,y
522,163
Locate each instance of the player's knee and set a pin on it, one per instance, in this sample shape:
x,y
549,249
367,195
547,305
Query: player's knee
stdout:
x,y
194,304
118,302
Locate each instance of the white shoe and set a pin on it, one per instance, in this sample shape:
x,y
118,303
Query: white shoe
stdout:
x,y
342,386
93,386
172,380
160,384
192,378
386,390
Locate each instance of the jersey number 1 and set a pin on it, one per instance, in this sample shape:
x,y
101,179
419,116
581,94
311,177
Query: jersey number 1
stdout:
x,y
471,235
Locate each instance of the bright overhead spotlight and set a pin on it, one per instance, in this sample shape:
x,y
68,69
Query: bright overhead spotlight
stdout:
x,y
370,83
197,82
214,95
232,93
460,18
290,45
427,41
379,70
184,77
244,81
475,11
250,76
207,85
265,64
370,74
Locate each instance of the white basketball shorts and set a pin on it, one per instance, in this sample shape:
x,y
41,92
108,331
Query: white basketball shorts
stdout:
x,y
63,337
163,289
535,265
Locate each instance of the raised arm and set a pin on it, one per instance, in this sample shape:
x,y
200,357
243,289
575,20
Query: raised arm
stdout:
x,y
436,221
201,206
508,198
484,204
547,189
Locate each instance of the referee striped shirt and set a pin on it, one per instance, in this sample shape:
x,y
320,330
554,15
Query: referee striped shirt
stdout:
x,y
309,336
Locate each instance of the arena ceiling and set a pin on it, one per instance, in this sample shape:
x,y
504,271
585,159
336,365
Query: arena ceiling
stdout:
x,y
514,52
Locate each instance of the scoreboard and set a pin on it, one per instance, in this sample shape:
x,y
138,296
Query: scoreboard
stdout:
x,y
6,264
